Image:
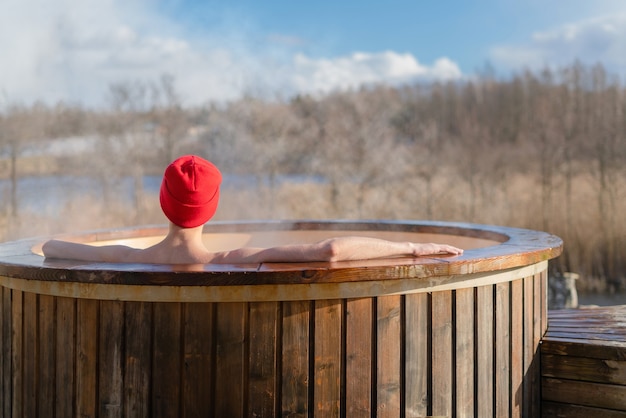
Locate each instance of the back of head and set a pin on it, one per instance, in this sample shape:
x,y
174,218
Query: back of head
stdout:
x,y
190,191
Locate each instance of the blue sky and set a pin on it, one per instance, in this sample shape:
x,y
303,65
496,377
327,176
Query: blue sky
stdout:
x,y
72,50
463,30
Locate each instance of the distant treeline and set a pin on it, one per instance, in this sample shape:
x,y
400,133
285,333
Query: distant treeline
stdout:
x,y
542,150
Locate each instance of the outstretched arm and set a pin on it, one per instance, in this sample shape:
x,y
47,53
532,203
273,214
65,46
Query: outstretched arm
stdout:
x,y
84,252
335,249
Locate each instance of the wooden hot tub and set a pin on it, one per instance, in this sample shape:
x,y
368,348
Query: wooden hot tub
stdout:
x,y
447,336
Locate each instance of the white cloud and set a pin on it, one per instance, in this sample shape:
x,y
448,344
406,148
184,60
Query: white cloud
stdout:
x,y
72,50
324,75
597,40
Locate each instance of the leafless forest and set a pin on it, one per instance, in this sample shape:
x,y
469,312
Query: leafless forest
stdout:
x,y
542,150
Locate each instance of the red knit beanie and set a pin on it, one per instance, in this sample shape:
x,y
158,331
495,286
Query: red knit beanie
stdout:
x,y
190,191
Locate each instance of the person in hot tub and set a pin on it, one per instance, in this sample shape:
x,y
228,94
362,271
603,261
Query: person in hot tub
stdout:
x,y
189,196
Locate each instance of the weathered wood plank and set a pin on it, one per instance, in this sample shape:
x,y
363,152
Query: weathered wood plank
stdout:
x,y
5,352
138,326
616,312
442,382
537,303
86,356
582,335
231,364
166,366
198,354
531,397
296,379
584,393
539,298
560,410
29,355
328,357
359,360
17,342
47,356
389,349
598,320
591,325
464,345
417,359
611,327
582,368
3,349
610,350
111,359
264,337
484,351
527,338
517,348
502,341
587,318
65,357
544,302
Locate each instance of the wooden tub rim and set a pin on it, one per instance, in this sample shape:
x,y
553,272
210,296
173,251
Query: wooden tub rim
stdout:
x,y
519,251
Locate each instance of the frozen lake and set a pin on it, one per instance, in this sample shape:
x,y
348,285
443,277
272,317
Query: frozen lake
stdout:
x,y
49,195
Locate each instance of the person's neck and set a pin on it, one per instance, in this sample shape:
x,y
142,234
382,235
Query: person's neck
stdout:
x,y
180,246
179,235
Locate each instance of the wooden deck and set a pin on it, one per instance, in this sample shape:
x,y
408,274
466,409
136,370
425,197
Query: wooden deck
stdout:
x,y
583,363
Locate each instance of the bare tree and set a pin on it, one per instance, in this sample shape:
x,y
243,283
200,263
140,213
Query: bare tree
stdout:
x,y
607,111
418,125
